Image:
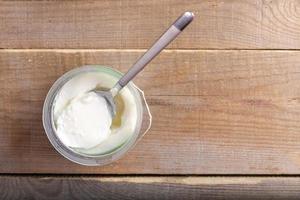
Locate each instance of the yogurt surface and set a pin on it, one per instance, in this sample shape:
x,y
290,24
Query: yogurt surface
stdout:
x,y
82,120
85,121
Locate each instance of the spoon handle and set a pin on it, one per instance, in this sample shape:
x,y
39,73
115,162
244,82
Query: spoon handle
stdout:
x,y
156,48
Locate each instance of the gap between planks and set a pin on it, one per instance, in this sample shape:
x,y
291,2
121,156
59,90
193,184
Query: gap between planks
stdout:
x,y
152,179
143,50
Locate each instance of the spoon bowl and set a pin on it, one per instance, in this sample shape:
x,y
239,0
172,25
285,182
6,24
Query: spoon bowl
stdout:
x,y
107,95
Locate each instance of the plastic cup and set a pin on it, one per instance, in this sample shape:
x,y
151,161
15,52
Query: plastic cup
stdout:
x,y
143,124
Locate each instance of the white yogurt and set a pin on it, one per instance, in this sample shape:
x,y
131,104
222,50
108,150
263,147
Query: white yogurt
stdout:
x,y
82,120
85,121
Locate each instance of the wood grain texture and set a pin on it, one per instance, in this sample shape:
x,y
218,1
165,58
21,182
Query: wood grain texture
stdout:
x,y
229,24
40,187
214,112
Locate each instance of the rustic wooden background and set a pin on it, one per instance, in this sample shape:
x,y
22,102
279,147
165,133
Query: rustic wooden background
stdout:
x,y
225,97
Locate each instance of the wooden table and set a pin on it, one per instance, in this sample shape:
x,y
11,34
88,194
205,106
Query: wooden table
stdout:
x,y
225,98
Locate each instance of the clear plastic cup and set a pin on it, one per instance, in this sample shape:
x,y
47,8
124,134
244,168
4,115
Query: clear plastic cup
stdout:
x,y
143,124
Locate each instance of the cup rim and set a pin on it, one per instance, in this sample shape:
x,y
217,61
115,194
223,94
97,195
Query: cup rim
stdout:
x,y
69,153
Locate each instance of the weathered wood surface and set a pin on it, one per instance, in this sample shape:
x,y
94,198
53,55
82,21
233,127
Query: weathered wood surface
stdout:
x,y
214,112
230,24
217,109
41,187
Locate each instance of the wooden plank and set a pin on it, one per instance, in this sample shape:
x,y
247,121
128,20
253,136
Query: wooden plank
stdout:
x,y
247,24
214,112
40,187
226,73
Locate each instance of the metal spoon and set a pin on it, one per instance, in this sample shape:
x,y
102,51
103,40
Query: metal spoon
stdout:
x,y
156,48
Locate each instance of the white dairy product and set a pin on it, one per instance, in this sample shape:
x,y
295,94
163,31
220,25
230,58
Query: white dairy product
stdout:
x,y
123,125
85,121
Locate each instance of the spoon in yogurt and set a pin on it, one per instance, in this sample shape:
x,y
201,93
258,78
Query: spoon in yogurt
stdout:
x,y
175,29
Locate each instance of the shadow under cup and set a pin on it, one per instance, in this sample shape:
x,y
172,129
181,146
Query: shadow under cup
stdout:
x,y
141,126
